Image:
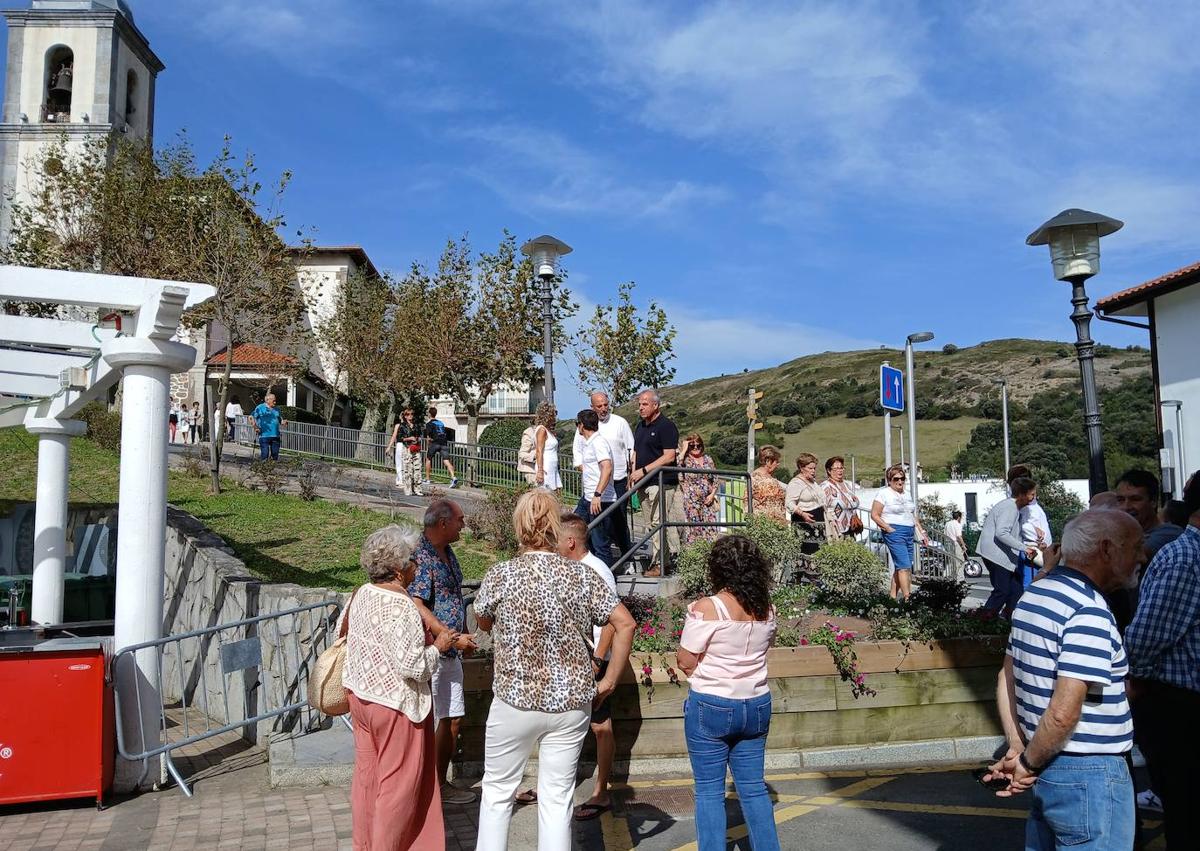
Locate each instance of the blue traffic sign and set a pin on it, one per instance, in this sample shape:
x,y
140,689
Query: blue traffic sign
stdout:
x,y
891,388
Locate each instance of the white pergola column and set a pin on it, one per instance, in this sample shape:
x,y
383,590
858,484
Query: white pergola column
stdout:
x,y
50,515
291,392
146,366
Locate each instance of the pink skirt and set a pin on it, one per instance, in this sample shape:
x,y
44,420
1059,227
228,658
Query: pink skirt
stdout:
x,y
394,799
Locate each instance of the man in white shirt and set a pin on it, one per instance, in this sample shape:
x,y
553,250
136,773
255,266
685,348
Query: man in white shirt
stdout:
x,y
572,544
597,493
956,546
615,429
233,410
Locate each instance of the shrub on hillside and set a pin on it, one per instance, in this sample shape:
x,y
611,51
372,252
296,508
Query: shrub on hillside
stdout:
x,y
103,426
857,409
791,425
949,349
850,574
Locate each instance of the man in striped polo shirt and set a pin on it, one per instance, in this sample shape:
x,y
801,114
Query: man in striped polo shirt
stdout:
x,y
1061,692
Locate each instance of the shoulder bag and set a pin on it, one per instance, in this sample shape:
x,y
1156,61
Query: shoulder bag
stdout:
x,y
325,690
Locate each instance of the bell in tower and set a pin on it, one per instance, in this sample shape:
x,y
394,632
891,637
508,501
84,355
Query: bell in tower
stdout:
x,y
60,68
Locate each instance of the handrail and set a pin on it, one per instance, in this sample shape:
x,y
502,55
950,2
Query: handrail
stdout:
x,y
656,477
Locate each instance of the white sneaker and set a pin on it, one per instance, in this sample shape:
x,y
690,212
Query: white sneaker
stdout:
x,y
1149,801
453,795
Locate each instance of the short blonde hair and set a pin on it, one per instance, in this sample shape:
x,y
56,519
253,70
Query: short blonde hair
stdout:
x,y
386,550
546,415
536,521
768,454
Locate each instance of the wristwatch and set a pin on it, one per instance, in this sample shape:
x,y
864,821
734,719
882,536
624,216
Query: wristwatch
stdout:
x,y
597,495
1025,764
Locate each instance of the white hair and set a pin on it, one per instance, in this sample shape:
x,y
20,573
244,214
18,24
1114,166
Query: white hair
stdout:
x,y
386,550
653,394
599,393
1086,533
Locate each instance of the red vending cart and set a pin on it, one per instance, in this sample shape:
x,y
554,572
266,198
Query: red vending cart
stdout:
x,y
57,738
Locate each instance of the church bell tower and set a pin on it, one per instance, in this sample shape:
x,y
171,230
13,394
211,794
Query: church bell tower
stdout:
x,y
78,69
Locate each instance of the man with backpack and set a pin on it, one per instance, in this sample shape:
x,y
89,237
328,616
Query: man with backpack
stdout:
x,y
437,445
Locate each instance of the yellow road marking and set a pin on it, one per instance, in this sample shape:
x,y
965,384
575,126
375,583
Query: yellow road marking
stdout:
x,y
935,809
615,831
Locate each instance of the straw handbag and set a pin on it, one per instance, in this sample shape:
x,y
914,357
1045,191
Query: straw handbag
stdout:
x,y
325,690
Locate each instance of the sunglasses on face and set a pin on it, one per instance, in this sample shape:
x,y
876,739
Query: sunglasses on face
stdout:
x,y
897,478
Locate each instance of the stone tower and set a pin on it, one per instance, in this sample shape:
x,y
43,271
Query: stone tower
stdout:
x,y
79,68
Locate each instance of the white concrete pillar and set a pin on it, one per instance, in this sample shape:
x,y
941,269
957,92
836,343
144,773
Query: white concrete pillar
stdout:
x,y
50,515
146,367
291,392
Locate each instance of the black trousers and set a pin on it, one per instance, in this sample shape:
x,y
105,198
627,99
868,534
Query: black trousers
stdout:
x,y
1167,726
619,520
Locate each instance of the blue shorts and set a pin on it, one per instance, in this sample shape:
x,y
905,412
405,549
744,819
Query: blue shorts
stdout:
x,y
899,542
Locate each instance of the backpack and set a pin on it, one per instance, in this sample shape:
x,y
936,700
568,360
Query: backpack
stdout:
x,y
527,454
439,431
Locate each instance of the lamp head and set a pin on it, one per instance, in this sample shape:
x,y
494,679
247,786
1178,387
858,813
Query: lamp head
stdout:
x,y
1074,239
920,337
544,251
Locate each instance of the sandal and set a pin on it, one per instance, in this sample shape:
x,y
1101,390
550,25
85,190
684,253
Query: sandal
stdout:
x,y
529,796
587,812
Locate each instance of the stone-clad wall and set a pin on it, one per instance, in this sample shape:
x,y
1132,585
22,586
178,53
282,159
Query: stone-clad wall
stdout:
x,y
206,586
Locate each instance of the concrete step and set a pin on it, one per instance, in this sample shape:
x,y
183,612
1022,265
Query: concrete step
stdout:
x,y
322,757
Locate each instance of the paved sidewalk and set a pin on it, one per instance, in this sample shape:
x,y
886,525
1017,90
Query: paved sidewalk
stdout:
x,y
234,808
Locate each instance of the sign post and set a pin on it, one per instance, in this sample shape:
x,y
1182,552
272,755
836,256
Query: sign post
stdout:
x,y
891,398
753,425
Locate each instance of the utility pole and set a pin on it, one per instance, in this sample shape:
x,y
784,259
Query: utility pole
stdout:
x,y
887,436
752,426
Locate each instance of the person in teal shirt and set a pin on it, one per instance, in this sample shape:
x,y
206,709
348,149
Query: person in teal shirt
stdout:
x,y
267,423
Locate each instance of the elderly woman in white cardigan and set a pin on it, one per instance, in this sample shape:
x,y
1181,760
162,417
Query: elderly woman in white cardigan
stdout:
x,y
395,801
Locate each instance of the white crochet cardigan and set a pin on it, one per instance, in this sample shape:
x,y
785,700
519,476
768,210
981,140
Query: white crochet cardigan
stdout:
x,y
387,661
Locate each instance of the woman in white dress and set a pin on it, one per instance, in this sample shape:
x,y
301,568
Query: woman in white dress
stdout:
x,y
546,472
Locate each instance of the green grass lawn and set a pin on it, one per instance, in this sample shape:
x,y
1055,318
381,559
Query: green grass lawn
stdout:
x,y
938,441
281,538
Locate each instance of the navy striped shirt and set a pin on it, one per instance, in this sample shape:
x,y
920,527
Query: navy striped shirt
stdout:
x,y
1063,627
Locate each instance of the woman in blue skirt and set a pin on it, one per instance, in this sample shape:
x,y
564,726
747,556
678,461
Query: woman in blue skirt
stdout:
x,y
896,516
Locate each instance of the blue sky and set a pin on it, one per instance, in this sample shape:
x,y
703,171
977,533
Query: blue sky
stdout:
x,y
785,177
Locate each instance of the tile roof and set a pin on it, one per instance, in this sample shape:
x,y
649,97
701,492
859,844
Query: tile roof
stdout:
x,y
248,354
1169,282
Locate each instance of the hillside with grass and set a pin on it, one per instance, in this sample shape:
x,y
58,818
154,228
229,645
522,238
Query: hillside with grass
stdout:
x,y
827,404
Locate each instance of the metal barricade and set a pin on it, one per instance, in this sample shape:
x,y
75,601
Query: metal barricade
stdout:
x,y
260,669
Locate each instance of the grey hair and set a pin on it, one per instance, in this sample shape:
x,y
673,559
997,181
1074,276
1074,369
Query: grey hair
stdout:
x,y
438,510
603,393
386,550
653,394
1087,531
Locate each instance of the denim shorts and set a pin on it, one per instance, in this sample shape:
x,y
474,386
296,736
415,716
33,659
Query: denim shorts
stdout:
x,y
1083,802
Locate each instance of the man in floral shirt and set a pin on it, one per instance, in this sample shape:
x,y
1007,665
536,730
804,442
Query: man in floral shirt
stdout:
x,y
437,591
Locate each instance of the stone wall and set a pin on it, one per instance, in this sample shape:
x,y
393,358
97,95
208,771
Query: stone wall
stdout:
x,y
207,586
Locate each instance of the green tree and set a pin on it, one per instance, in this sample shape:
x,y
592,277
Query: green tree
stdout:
x,y
621,351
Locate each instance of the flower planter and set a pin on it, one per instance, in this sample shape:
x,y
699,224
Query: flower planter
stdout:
x,y
945,689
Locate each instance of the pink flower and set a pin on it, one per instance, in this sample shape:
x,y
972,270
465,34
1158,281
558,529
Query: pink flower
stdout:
x,y
647,670
803,642
859,680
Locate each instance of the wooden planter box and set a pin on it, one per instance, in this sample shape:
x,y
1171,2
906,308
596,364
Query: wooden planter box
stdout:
x,y
925,691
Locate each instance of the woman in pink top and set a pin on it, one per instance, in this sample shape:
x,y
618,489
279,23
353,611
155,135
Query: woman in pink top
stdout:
x,y
723,651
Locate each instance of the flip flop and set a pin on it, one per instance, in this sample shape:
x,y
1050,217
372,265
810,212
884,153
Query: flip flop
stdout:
x,y
587,812
529,796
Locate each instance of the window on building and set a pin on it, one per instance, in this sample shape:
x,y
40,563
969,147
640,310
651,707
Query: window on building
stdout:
x,y
972,507
59,74
131,83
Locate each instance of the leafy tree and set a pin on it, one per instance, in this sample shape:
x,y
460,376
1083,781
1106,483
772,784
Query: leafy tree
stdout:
x,y
621,351
857,409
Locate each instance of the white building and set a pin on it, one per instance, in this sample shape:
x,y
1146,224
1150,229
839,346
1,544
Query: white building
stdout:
x,y
78,69
1171,306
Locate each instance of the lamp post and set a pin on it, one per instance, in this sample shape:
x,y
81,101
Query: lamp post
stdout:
x,y
544,251
1003,382
911,402
1074,239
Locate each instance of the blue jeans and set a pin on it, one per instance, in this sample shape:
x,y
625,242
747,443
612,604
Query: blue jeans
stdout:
x,y
268,446
1006,589
721,731
600,538
1082,802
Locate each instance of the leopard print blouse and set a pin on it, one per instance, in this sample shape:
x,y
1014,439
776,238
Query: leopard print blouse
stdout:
x,y
543,605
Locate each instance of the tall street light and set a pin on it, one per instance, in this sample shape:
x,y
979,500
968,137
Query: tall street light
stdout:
x,y
911,402
1003,382
544,251
1074,239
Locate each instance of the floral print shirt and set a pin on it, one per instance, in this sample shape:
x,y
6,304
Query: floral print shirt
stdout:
x,y
769,494
439,586
543,605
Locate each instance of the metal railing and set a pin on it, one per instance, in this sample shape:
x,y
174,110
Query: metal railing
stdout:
x,y
480,465
939,559
251,686
736,506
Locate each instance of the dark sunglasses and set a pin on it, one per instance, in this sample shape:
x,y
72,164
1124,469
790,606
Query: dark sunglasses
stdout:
x,y
896,479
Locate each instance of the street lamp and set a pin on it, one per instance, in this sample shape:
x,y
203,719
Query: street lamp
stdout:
x,y
911,401
1003,382
544,251
1178,467
1074,239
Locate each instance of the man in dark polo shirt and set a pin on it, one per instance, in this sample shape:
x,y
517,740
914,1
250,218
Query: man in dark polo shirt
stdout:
x,y
655,442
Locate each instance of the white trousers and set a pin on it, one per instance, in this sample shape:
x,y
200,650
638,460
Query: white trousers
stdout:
x,y
511,736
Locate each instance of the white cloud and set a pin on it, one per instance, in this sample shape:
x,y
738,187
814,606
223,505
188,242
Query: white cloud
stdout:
x,y
543,171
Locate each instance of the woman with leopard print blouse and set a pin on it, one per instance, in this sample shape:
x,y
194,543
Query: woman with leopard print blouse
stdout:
x,y
540,608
